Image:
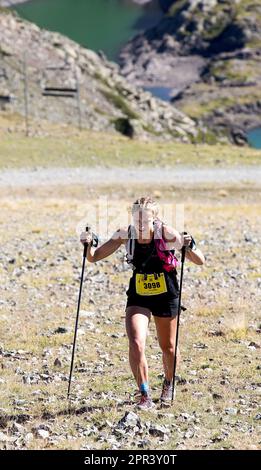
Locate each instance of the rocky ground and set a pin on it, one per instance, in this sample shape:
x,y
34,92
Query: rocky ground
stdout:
x,y
106,100
217,393
209,53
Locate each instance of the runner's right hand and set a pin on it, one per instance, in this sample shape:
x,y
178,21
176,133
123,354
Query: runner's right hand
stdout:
x,y
186,239
86,237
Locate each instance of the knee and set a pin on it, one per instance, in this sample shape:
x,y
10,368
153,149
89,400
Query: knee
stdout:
x,y
136,347
168,348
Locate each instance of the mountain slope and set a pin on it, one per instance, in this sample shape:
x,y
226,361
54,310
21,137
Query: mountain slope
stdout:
x,y
108,101
209,52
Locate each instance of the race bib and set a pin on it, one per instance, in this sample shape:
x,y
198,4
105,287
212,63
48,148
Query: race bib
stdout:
x,y
150,284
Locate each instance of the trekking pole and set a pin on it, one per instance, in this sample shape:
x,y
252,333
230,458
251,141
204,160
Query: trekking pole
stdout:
x,y
77,316
177,329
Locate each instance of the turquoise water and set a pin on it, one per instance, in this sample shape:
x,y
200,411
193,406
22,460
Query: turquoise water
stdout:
x,y
254,137
96,24
164,93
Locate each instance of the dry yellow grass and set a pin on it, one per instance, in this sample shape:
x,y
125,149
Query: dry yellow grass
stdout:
x,y
64,146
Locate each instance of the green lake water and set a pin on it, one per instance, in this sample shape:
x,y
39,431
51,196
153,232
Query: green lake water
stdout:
x,y
254,137
96,24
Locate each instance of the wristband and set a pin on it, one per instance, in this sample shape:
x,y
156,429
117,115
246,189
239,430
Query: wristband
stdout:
x,y
95,240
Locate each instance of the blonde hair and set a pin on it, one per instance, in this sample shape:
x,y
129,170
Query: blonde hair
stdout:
x,y
145,203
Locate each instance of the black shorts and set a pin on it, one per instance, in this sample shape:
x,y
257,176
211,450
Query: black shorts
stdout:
x,y
161,305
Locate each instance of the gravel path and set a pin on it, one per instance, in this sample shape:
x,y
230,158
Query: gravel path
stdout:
x,y
100,176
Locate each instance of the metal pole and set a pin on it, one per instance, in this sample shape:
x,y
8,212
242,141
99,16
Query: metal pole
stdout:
x,y
26,96
77,317
78,101
177,329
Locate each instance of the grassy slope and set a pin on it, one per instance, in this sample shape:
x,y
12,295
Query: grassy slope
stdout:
x,y
65,146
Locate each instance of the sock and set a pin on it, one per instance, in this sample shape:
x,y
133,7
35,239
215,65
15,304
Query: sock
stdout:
x,y
167,382
144,388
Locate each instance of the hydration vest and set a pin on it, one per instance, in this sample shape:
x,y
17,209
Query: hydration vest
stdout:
x,y
168,258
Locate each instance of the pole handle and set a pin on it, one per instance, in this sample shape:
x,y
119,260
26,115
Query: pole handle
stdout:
x,y
85,244
183,253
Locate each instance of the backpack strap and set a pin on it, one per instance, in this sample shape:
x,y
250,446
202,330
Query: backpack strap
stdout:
x,y
130,244
166,255
130,247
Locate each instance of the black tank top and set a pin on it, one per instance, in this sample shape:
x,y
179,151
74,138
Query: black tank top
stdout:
x,y
145,257
146,260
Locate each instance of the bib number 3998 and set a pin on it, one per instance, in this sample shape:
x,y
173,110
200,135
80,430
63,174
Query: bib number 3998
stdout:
x,y
150,284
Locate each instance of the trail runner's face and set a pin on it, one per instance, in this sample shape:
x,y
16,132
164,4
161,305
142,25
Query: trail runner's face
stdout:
x,y
143,222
